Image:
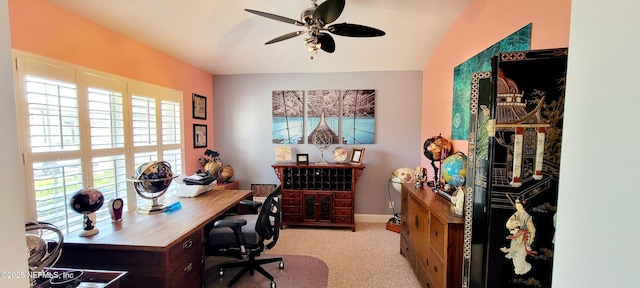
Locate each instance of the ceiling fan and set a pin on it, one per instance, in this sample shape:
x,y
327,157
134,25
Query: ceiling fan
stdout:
x,y
315,19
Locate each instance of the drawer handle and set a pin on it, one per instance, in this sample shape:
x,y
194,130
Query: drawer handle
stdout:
x,y
435,269
427,262
417,221
188,268
187,244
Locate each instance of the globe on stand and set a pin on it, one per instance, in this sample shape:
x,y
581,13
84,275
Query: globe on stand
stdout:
x,y
225,173
87,201
322,140
454,172
322,137
455,164
436,149
44,246
151,180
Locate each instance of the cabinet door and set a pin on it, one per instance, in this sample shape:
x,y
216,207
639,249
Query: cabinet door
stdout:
x,y
317,206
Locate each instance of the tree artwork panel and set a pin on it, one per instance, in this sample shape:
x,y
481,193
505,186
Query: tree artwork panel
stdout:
x,y
323,112
517,41
287,117
358,116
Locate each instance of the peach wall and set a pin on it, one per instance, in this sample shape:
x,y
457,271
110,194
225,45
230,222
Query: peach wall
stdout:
x,y
41,28
480,25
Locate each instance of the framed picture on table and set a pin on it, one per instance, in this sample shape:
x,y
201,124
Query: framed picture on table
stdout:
x,y
199,107
199,136
356,156
302,159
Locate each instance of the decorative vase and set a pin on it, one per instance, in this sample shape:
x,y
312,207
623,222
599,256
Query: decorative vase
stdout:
x,y
212,167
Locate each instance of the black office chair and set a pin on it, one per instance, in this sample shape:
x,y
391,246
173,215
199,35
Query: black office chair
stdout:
x,y
244,237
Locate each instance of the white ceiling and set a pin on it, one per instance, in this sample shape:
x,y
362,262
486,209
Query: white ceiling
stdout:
x,y
219,37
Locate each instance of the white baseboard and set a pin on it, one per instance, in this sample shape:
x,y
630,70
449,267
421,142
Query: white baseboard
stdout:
x,y
375,218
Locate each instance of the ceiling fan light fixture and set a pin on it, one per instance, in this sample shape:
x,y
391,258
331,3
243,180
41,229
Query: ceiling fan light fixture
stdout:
x,y
314,19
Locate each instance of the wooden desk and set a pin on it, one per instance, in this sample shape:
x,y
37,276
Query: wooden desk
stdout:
x,y
161,250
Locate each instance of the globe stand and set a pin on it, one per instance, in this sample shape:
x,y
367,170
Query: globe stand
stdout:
x,y
322,160
154,208
89,225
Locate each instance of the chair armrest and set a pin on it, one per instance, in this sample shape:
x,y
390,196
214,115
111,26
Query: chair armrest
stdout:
x,y
230,223
251,203
236,226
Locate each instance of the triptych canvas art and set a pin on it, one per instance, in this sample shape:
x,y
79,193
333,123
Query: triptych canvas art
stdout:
x,y
349,115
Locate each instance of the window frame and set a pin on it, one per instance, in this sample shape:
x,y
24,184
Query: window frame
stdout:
x,y
85,79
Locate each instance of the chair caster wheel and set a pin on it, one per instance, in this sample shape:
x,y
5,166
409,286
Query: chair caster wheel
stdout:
x,y
281,265
273,284
221,272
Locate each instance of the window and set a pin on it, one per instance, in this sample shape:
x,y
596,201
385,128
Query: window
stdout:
x,y
84,128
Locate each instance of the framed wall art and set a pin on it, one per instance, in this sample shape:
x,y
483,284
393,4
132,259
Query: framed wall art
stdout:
x,y
356,156
199,136
199,107
517,41
287,116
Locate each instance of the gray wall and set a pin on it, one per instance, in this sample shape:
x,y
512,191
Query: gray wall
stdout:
x,y
596,239
242,109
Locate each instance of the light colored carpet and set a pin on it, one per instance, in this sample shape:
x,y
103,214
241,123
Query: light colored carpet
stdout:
x,y
369,257
300,271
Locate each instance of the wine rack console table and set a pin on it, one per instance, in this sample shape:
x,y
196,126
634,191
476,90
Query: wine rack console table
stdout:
x,y
318,194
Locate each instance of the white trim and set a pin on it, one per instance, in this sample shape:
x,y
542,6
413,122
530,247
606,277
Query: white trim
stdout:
x,y
374,218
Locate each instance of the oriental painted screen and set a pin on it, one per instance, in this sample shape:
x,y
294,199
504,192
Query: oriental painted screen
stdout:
x,y
512,184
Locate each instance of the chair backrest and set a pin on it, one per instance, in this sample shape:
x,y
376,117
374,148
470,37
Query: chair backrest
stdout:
x,y
268,223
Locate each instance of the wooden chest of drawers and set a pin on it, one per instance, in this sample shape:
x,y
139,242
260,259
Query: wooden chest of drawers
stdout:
x,y
431,238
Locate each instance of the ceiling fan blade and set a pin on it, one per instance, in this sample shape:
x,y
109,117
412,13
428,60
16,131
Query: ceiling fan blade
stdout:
x,y
355,30
284,37
326,43
275,17
329,11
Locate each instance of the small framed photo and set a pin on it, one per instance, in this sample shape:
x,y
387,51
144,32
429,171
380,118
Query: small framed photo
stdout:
x,y
302,159
356,156
199,136
199,107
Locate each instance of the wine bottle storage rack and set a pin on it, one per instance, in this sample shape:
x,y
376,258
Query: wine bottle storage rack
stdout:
x,y
329,179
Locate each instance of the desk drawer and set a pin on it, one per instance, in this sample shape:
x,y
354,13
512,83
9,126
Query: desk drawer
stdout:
x,y
191,243
188,271
343,219
290,210
291,202
343,203
343,212
291,195
343,195
437,232
435,269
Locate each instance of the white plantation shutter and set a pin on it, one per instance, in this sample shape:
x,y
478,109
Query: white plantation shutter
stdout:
x,y
53,115
84,128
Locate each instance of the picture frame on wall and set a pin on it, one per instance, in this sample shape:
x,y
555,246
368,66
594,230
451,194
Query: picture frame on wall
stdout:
x,y
356,156
199,106
199,136
302,159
